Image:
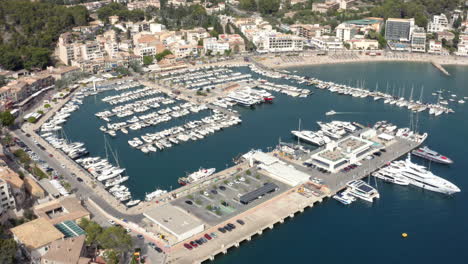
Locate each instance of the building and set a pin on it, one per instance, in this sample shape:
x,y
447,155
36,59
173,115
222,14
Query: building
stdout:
x,y
327,43
438,23
271,41
143,4
61,210
7,200
215,46
367,24
345,31
145,44
253,195
276,169
339,154
307,31
66,251
363,44
36,236
399,29
16,184
447,35
236,42
463,46
324,7
418,40
34,188
435,47
175,221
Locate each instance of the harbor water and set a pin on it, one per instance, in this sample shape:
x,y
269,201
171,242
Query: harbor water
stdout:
x,y
330,232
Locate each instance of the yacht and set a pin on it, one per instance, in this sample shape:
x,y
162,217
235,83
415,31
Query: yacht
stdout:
x,y
419,176
362,190
309,137
344,197
196,176
426,153
389,176
132,203
331,112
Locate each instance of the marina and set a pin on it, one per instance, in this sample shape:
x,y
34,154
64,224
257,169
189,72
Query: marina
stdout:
x,y
310,186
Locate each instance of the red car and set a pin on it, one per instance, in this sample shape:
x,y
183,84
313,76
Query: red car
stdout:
x,y
187,246
207,236
193,244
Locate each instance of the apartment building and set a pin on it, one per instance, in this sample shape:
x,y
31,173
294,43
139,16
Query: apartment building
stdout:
x,y
435,47
327,43
7,199
215,46
271,41
345,31
235,41
438,23
307,31
463,46
363,44
399,29
418,40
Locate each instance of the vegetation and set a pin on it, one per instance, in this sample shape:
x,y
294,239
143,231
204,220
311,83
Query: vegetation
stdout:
x,y
115,239
32,119
248,172
39,173
120,10
8,248
29,30
22,155
6,118
421,10
161,55
147,60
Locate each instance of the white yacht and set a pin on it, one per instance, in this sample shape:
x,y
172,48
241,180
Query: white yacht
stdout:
x,y
362,190
419,176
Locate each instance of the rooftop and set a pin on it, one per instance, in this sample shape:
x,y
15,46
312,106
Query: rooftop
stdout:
x,y
173,219
11,177
57,211
36,233
65,250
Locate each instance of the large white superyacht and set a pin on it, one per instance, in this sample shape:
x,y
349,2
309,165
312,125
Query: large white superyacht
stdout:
x,y
419,176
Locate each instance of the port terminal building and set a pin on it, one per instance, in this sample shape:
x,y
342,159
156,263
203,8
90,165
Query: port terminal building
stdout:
x,y
175,221
275,168
339,154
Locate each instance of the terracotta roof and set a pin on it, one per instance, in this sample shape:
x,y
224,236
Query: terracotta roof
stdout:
x,y
11,177
146,39
66,250
33,187
67,208
36,233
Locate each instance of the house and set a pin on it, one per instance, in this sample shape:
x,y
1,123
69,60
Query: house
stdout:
x,y
236,42
66,251
447,35
36,236
61,210
215,46
7,199
363,44
33,188
15,183
435,47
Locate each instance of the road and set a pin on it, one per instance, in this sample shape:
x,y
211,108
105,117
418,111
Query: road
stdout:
x,y
83,191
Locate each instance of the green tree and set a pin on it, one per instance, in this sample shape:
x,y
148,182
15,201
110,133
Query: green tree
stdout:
x,y
7,119
249,5
8,248
268,6
115,238
112,257
162,54
457,23
147,60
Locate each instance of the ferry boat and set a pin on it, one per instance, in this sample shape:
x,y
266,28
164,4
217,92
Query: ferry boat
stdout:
x,y
426,153
362,190
196,176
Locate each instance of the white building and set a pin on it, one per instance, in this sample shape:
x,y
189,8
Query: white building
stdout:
x,y
439,23
216,46
175,221
345,31
363,44
327,43
463,46
418,40
271,41
7,200
435,47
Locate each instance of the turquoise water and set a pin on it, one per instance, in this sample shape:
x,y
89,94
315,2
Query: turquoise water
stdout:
x,y
328,233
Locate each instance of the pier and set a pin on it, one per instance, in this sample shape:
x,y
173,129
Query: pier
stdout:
x,y
440,67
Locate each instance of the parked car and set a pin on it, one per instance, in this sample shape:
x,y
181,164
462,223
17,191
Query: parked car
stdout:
x,y
79,179
214,191
240,222
222,188
188,246
207,236
213,235
222,230
189,202
232,226
193,244
140,236
112,222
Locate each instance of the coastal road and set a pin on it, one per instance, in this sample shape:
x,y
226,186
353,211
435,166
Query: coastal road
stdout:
x,y
83,191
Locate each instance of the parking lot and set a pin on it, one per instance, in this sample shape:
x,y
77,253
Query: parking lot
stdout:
x,y
220,201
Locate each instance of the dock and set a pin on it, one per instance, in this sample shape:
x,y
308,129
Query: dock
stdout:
x,y
440,67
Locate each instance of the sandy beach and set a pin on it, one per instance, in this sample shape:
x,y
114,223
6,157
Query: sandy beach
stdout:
x,y
308,59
